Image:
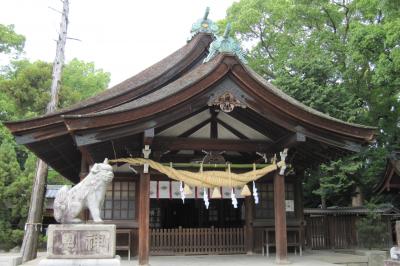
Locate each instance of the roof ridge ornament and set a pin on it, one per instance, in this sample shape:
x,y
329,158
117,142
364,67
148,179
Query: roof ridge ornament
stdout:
x,y
225,44
204,25
226,101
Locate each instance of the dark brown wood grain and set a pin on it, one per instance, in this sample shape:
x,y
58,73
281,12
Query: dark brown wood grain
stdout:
x,y
144,214
280,218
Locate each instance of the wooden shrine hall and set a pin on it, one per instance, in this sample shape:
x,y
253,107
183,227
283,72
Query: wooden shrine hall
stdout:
x,y
200,106
390,180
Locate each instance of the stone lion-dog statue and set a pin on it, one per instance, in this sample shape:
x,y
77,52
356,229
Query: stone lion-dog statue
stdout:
x,y
89,193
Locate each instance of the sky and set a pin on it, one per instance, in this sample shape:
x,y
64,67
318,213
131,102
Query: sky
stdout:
x,y
122,37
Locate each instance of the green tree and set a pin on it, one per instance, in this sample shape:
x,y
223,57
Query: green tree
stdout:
x,y
24,93
9,171
81,80
10,41
26,85
372,229
339,57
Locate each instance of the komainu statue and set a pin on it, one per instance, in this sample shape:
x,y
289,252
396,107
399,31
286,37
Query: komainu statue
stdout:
x,y
89,193
395,253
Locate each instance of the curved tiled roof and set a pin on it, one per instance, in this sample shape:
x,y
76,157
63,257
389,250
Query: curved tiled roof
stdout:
x,y
297,109
169,90
153,73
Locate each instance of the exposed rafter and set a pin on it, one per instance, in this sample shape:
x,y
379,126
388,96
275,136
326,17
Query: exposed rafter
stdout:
x,y
213,125
231,129
192,130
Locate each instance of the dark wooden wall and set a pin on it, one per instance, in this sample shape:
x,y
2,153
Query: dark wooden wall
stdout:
x,y
336,232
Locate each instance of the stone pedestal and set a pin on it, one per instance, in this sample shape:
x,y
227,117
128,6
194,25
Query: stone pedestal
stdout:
x,y
81,244
7,259
392,263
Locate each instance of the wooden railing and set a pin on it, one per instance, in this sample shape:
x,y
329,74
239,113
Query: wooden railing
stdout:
x,y
197,241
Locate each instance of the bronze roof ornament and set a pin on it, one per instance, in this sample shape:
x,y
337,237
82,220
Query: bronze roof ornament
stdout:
x,y
204,25
226,102
225,44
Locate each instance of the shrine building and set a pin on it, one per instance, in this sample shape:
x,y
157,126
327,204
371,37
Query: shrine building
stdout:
x,y
202,108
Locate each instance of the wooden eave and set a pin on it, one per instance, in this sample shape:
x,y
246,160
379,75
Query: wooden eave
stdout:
x,y
265,99
147,81
392,172
162,96
61,154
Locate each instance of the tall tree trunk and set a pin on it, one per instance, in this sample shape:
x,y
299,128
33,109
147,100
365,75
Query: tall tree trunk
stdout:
x,y
323,202
34,221
358,199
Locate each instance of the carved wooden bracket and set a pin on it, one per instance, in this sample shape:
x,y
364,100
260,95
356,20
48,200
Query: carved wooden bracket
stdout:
x,y
226,102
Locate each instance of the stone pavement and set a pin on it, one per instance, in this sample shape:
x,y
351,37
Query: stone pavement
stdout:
x,y
310,258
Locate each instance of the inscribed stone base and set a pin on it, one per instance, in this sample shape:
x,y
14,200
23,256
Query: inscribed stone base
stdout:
x,y
10,259
81,241
81,262
392,263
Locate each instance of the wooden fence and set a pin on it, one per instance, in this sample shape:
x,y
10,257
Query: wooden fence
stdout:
x,y
197,241
331,232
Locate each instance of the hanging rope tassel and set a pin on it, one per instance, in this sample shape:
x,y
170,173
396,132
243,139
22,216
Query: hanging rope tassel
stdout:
x,y
216,194
234,200
187,190
245,191
182,192
255,194
205,198
233,196
205,195
209,179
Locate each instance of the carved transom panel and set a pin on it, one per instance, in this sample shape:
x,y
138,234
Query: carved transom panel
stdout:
x,y
226,102
213,158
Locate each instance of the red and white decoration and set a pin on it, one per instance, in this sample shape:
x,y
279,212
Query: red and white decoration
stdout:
x,y
171,190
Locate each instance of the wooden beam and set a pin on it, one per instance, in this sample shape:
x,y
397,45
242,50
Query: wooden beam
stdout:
x,y
171,144
177,121
299,205
84,215
169,118
329,139
248,205
232,130
144,213
86,155
280,218
288,141
214,125
148,136
190,131
253,120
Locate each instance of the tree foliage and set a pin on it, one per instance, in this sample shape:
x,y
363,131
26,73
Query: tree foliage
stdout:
x,y
341,57
10,41
372,229
24,93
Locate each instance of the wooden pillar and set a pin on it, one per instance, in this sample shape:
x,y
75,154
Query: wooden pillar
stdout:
x,y
397,228
280,218
84,168
84,215
299,205
248,207
144,213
